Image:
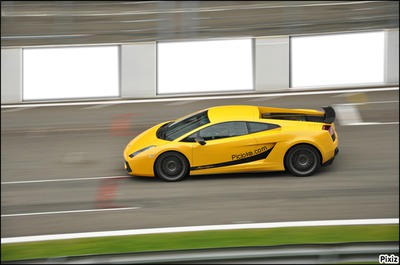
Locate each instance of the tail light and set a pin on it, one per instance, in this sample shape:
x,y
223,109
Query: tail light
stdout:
x,y
330,129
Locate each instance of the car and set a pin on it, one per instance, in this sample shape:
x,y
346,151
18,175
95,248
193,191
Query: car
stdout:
x,y
235,139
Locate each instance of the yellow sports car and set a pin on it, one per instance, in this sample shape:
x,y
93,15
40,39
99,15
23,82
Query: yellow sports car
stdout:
x,y
233,139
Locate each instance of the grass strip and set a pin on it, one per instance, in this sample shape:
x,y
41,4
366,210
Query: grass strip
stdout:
x,y
198,240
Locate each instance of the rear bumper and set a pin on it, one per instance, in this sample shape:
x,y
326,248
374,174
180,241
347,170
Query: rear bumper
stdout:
x,y
330,161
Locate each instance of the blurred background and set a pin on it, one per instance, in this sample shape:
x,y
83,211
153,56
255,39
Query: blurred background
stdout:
x,y
80,79
27,23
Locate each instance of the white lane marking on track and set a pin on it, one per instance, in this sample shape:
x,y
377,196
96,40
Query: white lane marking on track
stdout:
x,y
45,36
21,239
231,7
56,180
200,98
349,115
73,211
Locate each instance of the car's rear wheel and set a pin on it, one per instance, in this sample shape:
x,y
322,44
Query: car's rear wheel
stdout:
x,y
171,166
302,160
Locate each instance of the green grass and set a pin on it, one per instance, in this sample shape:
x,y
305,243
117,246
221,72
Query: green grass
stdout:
x,y
197,240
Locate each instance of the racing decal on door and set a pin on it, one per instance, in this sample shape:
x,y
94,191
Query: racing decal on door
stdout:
x,y
246,157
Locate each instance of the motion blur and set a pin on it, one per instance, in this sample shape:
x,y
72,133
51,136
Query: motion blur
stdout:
x,y
80,79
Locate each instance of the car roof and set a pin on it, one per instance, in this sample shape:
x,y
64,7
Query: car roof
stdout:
x,y
233,112
249,112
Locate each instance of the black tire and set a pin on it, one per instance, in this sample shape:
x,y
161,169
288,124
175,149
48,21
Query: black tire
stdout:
x,y
302,160
171,166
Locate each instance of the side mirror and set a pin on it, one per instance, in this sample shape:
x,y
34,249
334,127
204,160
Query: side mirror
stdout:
x,y
200,140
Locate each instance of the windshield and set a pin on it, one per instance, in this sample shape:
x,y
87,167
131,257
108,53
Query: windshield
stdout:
x,y
180,127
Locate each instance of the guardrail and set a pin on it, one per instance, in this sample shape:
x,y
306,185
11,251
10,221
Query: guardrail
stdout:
x,y
295,254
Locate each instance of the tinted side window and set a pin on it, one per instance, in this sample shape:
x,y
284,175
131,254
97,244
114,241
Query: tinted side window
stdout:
x,y
259,127
224,130
220,131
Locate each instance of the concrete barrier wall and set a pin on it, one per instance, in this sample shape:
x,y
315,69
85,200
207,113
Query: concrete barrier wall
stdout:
x,y
138,68
272,64
11,76
392,57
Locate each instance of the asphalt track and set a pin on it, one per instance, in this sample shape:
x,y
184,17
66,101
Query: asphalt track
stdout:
x,y
62,169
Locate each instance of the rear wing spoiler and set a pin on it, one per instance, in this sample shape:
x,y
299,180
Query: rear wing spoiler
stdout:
x,y
329,115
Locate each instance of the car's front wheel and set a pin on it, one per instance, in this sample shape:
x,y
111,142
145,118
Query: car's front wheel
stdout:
x,y
302,160
171,166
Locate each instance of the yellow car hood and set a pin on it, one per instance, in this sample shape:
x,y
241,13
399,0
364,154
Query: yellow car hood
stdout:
x,y
145,139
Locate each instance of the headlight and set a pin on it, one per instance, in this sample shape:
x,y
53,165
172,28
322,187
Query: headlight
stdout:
x,y
141,150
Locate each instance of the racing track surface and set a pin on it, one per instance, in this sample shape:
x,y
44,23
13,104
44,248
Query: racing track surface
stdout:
x,y
32,23
81,147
